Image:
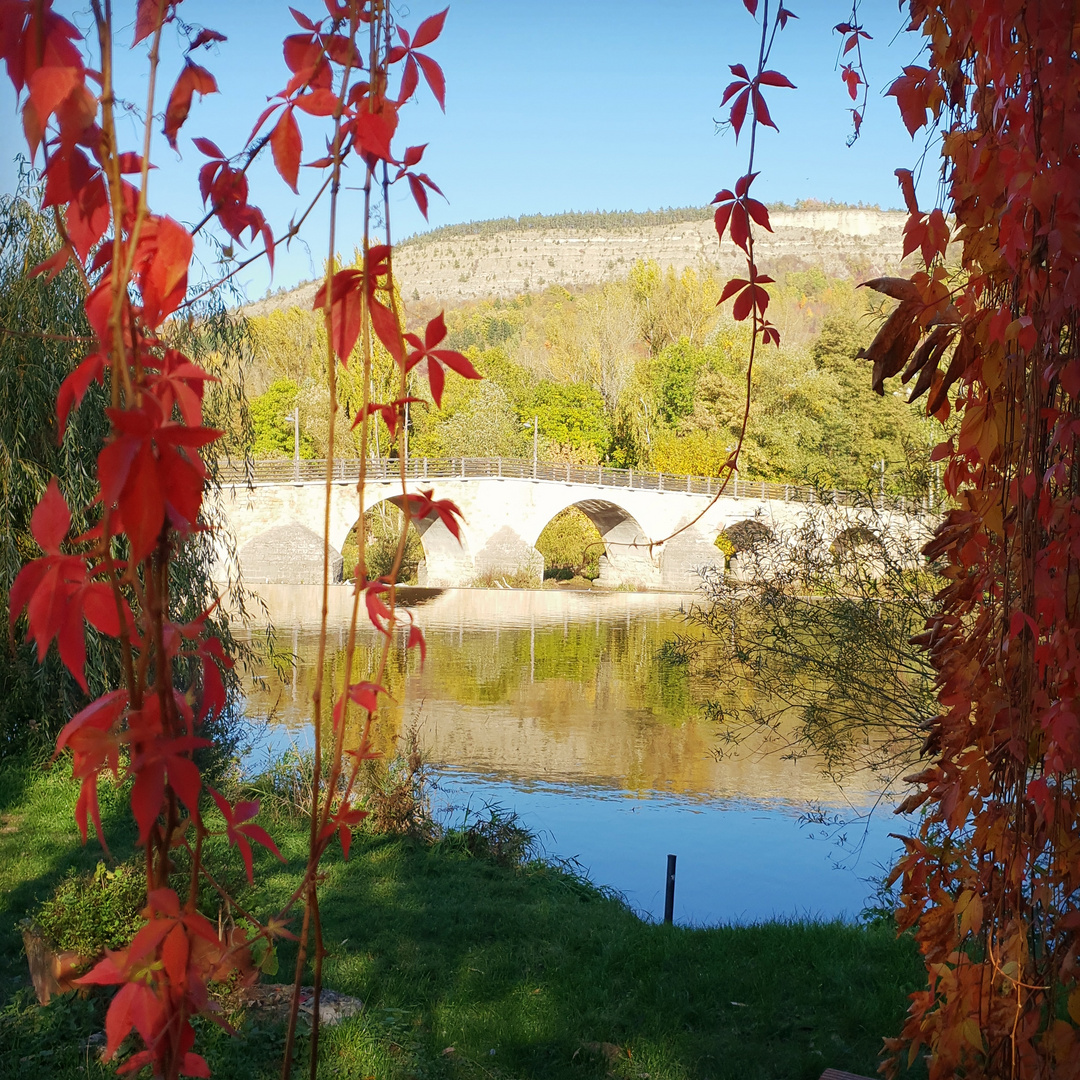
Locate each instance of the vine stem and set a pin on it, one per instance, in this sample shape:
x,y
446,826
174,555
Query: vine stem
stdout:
x,y
318,814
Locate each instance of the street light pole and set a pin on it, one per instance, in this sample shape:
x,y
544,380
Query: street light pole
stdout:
x,y
536,432
294,416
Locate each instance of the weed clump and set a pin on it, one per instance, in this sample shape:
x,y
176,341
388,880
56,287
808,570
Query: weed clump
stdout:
x,y
89,913
397,792
498,837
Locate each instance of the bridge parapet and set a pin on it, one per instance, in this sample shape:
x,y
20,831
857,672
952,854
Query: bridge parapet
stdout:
x,y
347,470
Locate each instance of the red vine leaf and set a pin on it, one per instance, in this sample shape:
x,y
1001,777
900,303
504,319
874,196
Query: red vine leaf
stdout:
x,y
241,829
192,79
435,357
345,306
286,144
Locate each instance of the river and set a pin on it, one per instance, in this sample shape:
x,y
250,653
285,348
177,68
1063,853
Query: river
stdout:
x,y
557,706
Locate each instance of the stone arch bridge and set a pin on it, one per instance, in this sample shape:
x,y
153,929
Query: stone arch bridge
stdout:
x,y
276,516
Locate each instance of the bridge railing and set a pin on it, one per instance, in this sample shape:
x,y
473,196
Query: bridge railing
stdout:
x,y
284,471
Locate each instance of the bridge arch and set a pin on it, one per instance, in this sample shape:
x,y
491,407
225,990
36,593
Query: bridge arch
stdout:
x,y
850,540
860,547
289,554
446,561
383,520
627,559
745,544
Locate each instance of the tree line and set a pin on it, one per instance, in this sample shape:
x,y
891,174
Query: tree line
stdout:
x,y
645,372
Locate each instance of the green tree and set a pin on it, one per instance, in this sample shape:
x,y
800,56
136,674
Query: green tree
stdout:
x,y
273,432
569,415
477,420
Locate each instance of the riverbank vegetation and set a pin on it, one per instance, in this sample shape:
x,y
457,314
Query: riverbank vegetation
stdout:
x,y
817,620
473,966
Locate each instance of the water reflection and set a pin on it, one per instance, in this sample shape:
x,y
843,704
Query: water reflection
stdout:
x,y
556,704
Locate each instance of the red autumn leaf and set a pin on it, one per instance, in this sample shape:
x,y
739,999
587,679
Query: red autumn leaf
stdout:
x,y
429,29
435,78
286,144
345,307
205,37
241,829
912,93
51,519
88,215
392,412
420,506
417,182
386,327
435,357
749,295
148,17
49,86
761,110
163,760
852,79
366,695
343,822
192,79
210,149
426,33
774,78
379,614
373,133
53,265
174,956
318,102
135,1005
303,20
181,383
92,736
301,52
416,640
162,261
127,473
56,592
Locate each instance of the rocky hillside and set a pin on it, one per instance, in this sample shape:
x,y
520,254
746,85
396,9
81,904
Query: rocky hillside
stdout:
x,y
503,258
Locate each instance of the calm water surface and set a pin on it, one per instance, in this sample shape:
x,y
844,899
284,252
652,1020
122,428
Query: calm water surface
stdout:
x,y
555,705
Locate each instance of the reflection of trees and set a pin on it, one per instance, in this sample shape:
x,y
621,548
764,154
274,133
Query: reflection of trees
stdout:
x,y
820,636
613,666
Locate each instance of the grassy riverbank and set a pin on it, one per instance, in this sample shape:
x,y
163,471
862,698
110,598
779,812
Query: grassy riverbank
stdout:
x,y
523,972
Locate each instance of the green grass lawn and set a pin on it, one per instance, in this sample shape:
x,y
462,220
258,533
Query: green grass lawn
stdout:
x,y
473,970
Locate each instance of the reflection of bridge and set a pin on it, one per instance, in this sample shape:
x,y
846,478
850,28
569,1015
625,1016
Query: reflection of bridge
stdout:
x,y
277,521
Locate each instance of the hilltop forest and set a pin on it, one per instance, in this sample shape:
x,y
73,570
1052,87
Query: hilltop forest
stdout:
x,y
644,372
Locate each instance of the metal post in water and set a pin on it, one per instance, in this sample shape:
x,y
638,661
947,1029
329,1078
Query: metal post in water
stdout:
x,y
669,891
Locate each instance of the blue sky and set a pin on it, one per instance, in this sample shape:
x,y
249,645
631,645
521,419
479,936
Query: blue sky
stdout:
x,y
560,105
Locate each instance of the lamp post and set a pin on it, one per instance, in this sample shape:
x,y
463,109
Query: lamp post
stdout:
x,y
879,467
294,416
535,425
